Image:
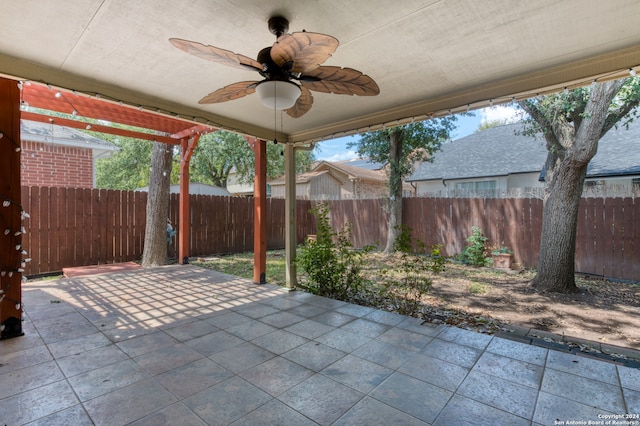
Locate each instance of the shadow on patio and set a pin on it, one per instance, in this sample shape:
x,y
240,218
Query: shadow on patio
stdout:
x,y
186,345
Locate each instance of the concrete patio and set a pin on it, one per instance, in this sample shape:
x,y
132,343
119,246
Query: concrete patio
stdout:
x,y
182,345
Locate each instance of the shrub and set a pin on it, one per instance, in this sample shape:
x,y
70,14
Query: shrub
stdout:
x,y
475,252
330,261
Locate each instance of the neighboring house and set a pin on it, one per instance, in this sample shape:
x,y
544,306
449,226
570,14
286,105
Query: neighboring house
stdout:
x,y
236,188
59,156
500,159
337,180
195,188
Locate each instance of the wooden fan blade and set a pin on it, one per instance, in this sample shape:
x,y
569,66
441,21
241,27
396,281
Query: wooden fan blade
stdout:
x,y
306,51
341,81
302,105
215,54
228,93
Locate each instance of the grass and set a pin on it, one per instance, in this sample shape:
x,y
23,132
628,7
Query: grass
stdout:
x,y
241,265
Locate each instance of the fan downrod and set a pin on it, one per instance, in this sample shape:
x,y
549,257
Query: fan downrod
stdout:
x,y
278,25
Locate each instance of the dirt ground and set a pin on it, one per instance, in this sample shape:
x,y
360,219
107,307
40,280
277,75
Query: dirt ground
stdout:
x,y
488,300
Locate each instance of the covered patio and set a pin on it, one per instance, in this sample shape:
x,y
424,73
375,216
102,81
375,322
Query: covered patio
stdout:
x,y
186,345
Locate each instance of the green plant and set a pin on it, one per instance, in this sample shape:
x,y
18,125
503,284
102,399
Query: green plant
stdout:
x,y
332,265
501,250
475,252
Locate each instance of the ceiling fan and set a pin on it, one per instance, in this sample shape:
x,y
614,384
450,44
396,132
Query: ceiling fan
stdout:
x,y
293,57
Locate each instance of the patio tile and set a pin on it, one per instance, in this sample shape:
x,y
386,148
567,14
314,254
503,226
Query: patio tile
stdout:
x,y
250,330
41,402
499,393
517,350
31,339
581,366
274,413
552,408
24,358
406,339
24,379
194,377
191,330
354,310
242,357
106,379
276,375
282,319
91,360
176,414
435,371
321,399
130,403
385,354
333,318
314,355
64,327
357,373
385,317
281,303
510,369
371,412
412,396
167,358
464,356
279,341
461,411
465,337
226,401
147,343
629,377
632,399
342,340
214,342
76,416
326,302
227,319
419,326
309,329
78,344
367,328
585,391
255,310
308,311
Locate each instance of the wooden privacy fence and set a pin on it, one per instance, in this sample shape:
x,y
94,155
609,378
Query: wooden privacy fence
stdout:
x,y
79,227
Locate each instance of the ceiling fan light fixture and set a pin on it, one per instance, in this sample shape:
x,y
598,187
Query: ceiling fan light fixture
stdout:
x,y
276,94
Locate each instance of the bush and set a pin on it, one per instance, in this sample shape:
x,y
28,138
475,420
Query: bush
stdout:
x,y
330,261
475,252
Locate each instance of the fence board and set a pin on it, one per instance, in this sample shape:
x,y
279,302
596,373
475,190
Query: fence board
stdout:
x,y
77,227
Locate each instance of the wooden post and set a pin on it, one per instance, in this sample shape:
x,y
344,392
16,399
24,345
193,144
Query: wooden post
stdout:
x,y
290,215
11,212
187,146
259,211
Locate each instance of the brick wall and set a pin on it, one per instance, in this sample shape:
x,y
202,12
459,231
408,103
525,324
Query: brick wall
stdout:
x,y
45,164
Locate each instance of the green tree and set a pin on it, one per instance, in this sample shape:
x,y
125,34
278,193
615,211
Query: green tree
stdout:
x,y
572,124
129,167
220,152
401,148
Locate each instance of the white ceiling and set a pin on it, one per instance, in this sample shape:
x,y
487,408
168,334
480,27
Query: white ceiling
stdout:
x,y
427,56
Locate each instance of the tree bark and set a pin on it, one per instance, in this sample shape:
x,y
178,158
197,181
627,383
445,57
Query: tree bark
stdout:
x,y
155,235
395,190
570,151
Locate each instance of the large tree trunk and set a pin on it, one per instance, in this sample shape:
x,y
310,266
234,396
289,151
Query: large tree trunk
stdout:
x,y
395,190
155,235
570,151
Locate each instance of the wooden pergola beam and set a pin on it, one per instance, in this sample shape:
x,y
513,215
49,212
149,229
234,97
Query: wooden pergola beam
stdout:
x,y
259,211
187,147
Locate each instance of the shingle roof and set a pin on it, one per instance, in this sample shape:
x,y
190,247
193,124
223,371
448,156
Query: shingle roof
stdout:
x,y
500,151
60,135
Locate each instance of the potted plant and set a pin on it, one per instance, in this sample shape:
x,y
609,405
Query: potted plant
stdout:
x,y
502,257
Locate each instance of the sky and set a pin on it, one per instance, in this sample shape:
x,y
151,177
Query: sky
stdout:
x,y
336,149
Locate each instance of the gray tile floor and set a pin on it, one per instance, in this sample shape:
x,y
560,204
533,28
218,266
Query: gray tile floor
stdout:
x,y
181,345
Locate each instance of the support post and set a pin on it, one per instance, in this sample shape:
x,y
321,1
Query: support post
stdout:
x,y
187,146
259,211
11,212
290,215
